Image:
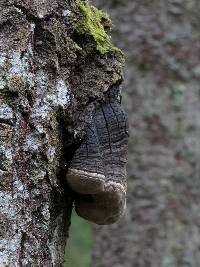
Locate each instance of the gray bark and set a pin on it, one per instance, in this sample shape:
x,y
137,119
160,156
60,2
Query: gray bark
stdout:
x,y
47,88
161,227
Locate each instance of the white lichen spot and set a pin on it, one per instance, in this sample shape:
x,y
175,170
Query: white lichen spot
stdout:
x,y
18,10
66,12
41,111
38,175
32,143
7,206
28,246
36,192
20,191
76,133
53,250
19,67
6,152
32,27
6,113
63,93
2,84
51,154
41,108
41,15
61,97
9,250
54,243
45,212
19,187
30,55
40,129
41,81
2,59
51,100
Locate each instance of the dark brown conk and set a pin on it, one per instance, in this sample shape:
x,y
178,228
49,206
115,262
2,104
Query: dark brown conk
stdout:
x,y
98,168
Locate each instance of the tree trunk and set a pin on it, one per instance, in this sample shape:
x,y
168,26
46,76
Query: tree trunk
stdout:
x,y
161,227
51,72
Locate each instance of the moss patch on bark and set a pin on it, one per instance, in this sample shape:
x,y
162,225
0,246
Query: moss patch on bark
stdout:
x,y
93,23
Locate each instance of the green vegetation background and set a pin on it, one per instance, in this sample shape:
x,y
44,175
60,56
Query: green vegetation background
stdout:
x,y
79,247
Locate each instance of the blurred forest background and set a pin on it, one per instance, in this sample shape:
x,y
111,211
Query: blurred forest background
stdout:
x,y
161,228
79,247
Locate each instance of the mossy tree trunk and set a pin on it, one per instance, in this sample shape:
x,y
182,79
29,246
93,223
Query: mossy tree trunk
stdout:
x,y
50,76
161,227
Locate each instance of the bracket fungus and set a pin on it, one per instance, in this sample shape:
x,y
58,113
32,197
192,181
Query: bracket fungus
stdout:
x,y
98,169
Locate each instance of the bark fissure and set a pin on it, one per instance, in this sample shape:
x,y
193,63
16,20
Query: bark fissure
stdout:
x,y
108,130
21,250
113,110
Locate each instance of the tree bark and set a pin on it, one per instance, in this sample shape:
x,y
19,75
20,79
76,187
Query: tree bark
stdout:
x,y
50,76
161,227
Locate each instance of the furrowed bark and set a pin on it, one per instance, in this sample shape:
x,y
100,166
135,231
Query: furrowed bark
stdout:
x,y
161,226
49,79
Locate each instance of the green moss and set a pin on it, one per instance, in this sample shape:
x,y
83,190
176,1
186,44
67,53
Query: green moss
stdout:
x,y
93,23
74,44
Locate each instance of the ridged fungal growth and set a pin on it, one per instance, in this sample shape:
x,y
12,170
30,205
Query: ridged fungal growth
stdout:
x,y
98,169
